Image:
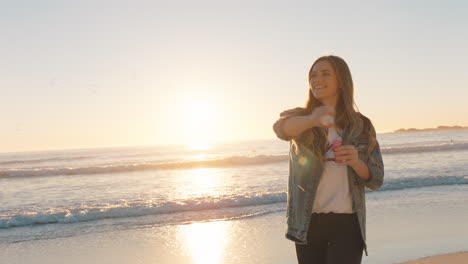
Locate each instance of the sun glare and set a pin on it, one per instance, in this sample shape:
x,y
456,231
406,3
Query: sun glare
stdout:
x,y
199,146
203,181
207,242
200,122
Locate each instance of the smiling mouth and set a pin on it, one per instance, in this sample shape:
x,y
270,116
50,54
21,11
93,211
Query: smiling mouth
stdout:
x,y
319,88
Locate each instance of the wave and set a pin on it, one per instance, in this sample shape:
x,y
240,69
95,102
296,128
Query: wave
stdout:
x,y
214,163
424,148
26,161
133,209
224,162
141,208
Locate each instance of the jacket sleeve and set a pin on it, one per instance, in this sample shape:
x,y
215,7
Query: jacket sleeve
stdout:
x,y
376,167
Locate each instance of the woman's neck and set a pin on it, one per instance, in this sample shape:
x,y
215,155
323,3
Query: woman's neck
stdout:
x,y
330,102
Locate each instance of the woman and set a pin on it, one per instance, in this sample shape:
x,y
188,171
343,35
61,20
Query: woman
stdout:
x,y
330,164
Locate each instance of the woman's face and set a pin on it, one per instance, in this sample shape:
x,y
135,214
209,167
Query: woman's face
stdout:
x,y
324,82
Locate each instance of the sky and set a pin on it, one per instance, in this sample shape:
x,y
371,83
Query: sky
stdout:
x,y
89,74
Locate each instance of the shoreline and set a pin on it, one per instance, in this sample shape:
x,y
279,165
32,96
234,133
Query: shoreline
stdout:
x,y
390,239
460,257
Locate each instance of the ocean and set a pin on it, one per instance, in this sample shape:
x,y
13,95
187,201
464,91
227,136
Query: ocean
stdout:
x,y
66,193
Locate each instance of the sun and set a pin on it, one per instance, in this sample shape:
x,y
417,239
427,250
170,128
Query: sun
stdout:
x,y
200,122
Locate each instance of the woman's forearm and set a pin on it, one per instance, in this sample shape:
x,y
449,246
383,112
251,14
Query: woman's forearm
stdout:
x,y
295,125
291,125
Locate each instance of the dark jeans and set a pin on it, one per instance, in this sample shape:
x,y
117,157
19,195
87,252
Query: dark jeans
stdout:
x,y
332,239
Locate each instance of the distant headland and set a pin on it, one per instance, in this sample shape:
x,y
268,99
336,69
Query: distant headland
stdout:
x,y
430,129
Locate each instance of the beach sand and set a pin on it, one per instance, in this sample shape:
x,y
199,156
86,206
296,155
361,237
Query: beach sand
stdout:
x,y
454,258
402,225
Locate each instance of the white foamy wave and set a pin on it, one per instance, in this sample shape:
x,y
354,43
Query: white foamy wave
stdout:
x,y
133,209
224,162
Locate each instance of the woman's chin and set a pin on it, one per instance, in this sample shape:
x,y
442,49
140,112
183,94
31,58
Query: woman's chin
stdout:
x,y
319,97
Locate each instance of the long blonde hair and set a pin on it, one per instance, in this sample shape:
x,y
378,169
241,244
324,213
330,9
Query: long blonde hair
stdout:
x,y
346,117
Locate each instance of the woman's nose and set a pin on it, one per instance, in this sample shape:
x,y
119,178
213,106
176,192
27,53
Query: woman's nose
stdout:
x,y
317,80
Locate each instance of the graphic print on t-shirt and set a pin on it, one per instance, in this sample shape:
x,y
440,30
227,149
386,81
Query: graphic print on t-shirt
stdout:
x,y
333,194
334,139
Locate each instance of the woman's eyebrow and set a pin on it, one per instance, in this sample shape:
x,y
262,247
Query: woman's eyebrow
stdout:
x,y
321,71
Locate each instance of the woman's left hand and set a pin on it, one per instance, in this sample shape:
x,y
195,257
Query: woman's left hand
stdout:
x,y
346,155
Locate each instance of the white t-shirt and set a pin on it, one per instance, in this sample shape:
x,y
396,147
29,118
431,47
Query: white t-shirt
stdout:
x,y
333,193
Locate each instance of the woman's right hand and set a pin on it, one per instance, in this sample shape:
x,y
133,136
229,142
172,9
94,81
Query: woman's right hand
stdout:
x,y
320,114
